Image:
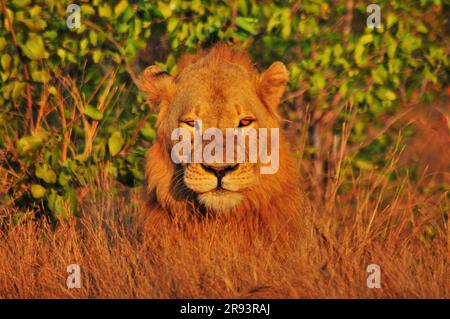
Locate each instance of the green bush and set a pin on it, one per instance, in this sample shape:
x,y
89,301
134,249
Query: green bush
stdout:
x,y
70,108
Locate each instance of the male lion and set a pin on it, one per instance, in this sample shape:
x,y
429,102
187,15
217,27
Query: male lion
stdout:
x,y
221,88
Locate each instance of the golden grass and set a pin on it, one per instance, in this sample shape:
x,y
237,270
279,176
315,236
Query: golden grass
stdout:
x,y
375,222
371,218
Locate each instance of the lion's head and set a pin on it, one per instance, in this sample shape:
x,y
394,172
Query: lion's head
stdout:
x,y
222,89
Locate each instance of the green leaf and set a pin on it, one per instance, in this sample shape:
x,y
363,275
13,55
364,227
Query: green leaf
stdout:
x,y
343,89
247,24
409,43
128,14
390,96
87,9
35,24
115,143
358,54
364,165
391,20
421,27
6,61
56,205
21,3
137,173
386,94
51,34
93,113
46,173
165,9
360,47
70,197
379,75
172,24
2,43
18,89
40,76
365,39
84,43
153,119
34,48
64,179
148,133
318,81
37,191
30,143
93,37
120,8
105,11
286,31
97,55
391,47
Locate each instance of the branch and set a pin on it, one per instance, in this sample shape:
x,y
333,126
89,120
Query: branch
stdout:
x,y
348,20
118,47
380,132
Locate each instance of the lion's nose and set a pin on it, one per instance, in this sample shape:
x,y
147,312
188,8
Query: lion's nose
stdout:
x,y
220,170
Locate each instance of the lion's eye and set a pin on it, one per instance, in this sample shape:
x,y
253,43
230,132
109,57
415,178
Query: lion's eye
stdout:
x,y
246,122
190,123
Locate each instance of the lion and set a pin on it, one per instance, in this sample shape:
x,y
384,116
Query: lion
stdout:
x,y
222,88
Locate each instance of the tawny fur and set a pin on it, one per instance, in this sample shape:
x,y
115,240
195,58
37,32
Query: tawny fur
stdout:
x,y
274,204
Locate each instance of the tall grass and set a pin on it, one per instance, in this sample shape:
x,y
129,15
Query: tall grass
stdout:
x,y
368,218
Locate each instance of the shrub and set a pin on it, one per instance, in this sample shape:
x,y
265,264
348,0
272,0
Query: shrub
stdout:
x,y
71,110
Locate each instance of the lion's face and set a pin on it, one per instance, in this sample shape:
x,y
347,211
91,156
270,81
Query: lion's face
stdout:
x,y
222,96
224,99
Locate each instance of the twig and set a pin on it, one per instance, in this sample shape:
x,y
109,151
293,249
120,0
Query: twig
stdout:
x,y
128,67
388,125
65,130
348,20
42,105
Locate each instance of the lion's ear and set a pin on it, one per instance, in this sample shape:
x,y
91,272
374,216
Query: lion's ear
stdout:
x,y
157,84
272,84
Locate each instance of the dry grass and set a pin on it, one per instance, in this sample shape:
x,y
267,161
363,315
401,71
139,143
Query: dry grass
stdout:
x,y
374,223
400,225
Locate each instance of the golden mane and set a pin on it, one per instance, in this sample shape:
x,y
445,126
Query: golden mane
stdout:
x,y
274,204
216,55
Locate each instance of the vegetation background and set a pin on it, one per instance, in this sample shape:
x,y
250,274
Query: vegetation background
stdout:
x,y
366,110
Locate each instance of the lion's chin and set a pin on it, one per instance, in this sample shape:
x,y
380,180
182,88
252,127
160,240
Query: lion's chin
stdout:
x,y
219,201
